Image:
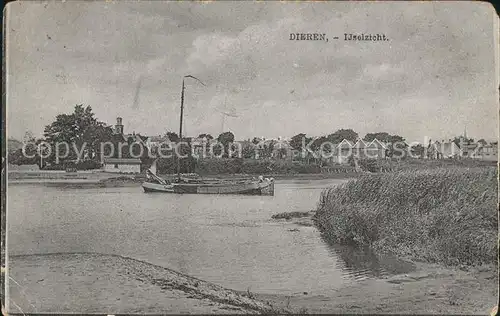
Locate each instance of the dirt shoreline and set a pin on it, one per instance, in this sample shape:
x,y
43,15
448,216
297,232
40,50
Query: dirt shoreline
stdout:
x,y
97,283
431,289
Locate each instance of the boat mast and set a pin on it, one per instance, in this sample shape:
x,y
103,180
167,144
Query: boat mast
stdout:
x,y
180,130
224,115
180,120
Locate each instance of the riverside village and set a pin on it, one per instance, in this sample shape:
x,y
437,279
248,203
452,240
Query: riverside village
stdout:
x,y
162,158
340,152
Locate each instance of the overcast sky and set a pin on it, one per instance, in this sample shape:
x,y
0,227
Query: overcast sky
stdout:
x,y
436,75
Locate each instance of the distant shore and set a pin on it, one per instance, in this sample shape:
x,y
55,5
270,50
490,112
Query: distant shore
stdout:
x,y
290,176
105,179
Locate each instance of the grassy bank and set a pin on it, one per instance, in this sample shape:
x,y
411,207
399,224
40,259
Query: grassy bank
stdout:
x,y
438,215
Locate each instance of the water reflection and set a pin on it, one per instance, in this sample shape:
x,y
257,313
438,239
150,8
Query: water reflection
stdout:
x,y
361,263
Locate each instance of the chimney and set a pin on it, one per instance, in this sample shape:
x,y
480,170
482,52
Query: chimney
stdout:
x,y
119,126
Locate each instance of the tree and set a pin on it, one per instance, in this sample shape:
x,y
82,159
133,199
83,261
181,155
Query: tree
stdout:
x,y
185,158
342,134
316,145
267,148
71,127
61,130
248,149
180,150
323,147
226,139
77,129
94,137
206,136
381,136
29,137
13,145
398,148
256,140
173,137
282,152
396,139
301,142
482,141
418,150
29,156
17,157
297,141
460,141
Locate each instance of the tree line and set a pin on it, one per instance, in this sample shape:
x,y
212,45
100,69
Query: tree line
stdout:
x,y
86,133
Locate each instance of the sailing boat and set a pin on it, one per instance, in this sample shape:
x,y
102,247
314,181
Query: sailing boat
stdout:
x,y
195,185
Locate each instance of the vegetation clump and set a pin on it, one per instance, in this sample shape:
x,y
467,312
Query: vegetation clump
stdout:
x,y
436,215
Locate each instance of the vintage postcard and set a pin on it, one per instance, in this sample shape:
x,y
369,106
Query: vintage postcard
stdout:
x,y
250,157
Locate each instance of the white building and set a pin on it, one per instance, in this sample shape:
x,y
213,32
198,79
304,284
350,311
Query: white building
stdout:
x,y
122,165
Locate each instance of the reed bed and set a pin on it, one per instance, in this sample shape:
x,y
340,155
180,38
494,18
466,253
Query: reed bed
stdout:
x,y
438,215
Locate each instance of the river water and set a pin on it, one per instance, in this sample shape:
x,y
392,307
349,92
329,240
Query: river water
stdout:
x,y
229,240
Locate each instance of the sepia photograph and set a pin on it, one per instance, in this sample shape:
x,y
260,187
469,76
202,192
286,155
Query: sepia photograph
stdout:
x,y
250,157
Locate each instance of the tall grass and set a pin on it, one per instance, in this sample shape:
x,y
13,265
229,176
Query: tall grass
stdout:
x,y
437,215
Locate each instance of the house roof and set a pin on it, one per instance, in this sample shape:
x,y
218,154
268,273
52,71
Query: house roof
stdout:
x,y
446,148
473,145
136,137
119,138
360,144
128,149
345,144
143,138
376,144
123,161
155,138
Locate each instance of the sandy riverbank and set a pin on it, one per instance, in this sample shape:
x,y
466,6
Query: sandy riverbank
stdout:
x,y
431,289
94,283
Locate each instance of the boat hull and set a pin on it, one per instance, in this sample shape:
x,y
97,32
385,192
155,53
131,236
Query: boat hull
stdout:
x,y
249,188
155,187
